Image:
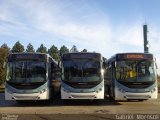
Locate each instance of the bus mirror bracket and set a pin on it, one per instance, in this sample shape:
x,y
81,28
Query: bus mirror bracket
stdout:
x,y
156,66
113,64
4,65
104,65
59,64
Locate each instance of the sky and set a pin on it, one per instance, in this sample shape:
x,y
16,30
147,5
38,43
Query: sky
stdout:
x,y
105,26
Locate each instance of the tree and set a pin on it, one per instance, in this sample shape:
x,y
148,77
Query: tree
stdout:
x,y
63,50
42,49
54,53
5,46
3,59
74,49
30,48
18,47
84,50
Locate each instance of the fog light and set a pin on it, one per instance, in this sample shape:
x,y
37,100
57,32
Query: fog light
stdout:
x,y
153,90
100,89
44,90
65,90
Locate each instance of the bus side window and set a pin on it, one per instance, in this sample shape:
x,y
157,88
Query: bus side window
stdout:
x,y
113,65
55,71
113,69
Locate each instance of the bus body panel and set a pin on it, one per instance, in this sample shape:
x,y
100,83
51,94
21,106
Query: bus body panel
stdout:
x,y
73,95
122,92
121,95
27,96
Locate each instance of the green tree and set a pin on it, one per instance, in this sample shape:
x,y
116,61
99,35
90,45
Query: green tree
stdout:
x,y
3,59
30,48
84,50
18,47
5,46
63,50
54,52
74,49
42,49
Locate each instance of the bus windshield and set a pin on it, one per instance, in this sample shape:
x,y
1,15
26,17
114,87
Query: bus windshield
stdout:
x,y
135,71
26,72
81,70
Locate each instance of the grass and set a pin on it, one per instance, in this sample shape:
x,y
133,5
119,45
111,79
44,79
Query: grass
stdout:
x,y
1,88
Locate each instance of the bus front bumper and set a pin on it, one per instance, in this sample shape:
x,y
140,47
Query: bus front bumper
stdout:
x,y
121,95
26,96
73,95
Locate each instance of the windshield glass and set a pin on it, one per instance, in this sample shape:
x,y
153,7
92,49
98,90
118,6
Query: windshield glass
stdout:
x,y
81,70
135,71
26,72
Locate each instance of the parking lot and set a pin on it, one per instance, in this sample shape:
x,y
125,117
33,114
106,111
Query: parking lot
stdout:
x,y
58,109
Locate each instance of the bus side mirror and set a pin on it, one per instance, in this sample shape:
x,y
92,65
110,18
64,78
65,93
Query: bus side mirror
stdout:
x,y
59,64
156,63
104,65
4,65
156,66
113,64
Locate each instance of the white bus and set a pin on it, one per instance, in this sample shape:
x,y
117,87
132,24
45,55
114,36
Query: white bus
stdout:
x,y
30,76
132,76
82,76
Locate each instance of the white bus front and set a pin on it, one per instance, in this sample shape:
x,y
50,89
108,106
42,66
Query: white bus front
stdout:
x,y
82,77
135,79
26,78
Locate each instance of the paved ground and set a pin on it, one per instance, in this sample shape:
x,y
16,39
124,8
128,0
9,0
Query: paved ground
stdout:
x,y
82,110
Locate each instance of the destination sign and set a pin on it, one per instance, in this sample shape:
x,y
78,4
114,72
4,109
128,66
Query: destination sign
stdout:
x,y
137,56
81,55
25,56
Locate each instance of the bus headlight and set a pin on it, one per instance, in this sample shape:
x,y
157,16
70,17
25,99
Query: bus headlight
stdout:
x,y
121,90
100,89
8,91
65,90
153,90
42,91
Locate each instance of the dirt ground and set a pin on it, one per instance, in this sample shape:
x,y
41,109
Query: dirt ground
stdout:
x,y
79,110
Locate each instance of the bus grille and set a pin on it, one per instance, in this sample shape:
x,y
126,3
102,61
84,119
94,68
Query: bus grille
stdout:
x,y
83,86
137,85
83,96
26,97
137,96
